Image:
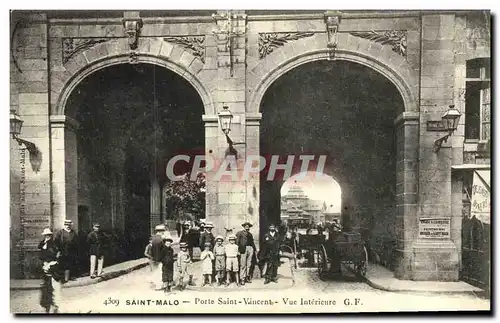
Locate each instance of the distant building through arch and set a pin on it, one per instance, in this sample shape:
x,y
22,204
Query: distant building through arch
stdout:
x,y
312,197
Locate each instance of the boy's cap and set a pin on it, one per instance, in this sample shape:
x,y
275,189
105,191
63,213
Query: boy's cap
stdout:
x,y
169,239
231,237
219,238
208,244
183,244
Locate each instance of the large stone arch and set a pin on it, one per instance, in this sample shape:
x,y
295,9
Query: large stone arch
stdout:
x,y
395,68
116,51
63,137
354,49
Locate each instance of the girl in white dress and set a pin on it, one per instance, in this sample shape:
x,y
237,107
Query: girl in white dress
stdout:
x,y
207,257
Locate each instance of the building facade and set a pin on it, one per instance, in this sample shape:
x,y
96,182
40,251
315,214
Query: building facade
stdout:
x,y
433,59
296,204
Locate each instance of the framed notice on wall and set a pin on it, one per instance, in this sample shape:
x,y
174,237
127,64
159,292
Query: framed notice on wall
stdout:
x,y
434,228
480,199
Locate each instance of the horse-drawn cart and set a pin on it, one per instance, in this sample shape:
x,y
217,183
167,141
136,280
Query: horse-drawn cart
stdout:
x,y
342,249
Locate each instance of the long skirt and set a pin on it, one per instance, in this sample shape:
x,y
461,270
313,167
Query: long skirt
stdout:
x,y
49,292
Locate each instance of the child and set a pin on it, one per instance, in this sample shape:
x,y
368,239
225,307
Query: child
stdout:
x,y
168,266
232,259
183,263
51,286
207,258
147,254
220,260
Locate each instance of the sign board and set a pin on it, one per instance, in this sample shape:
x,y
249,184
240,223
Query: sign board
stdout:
x,y
481,196
434,228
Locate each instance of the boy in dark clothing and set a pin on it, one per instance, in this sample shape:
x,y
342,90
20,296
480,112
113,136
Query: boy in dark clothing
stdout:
x,y
168,266
157,253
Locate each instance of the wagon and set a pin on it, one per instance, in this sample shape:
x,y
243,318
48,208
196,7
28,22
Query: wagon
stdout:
x,y
308,246
345,249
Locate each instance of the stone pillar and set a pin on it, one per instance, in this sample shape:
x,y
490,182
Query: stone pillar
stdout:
x,y
457,140
405,224
252,206
155,203
212,208
435,258
64,166
226,196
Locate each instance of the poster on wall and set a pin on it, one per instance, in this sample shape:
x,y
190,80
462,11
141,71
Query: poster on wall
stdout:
x,y
480,199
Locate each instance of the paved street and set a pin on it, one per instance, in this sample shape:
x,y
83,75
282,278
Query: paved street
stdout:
x,y
132,288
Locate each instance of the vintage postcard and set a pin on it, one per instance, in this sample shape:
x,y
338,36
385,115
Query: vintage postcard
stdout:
x,y
250,161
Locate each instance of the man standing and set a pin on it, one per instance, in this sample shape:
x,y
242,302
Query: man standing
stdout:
x,y
207,236
157,255
270,253
95,242
189,237
246,248
67,243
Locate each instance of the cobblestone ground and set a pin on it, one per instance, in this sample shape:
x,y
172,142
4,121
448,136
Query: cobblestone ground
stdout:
x,y
309,293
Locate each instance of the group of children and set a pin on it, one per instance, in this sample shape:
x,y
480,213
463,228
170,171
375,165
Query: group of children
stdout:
x,y
220,262
221,259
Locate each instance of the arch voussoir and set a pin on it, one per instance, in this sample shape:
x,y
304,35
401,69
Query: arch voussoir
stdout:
x,y
186,59
355,49
117,51
97,52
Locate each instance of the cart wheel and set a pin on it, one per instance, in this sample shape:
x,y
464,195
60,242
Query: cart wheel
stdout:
x,y
362,264
322,262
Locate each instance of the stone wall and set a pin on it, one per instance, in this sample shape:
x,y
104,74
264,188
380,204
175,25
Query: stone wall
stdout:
x,y
29,97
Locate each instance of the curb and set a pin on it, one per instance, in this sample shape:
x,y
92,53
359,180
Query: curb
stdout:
x,y
104,277
412,291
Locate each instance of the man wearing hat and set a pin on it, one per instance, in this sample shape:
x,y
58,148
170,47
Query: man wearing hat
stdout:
x,y
246,248
207,236
95,243
189,237
67,242
270,254
157,253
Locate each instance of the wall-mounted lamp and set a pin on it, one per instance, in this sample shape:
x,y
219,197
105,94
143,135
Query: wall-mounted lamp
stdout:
x,y
225,119
16,124
449,123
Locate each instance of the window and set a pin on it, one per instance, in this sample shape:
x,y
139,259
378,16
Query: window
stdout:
x,y
477,99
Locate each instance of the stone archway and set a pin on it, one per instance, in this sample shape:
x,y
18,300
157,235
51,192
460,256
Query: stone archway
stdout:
x,y
64,183
266,75
152,51
394,68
